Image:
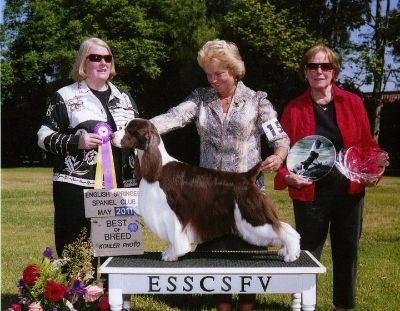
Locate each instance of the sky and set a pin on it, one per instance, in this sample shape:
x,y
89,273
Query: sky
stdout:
x,y
1,11
391,86
346,72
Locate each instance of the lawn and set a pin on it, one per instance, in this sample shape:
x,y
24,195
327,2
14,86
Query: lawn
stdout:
x,y
27,228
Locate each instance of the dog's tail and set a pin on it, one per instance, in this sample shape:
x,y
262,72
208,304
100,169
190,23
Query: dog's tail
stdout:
x,y
253,173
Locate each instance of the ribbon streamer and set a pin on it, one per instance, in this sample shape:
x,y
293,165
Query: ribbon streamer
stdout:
x,y
105,162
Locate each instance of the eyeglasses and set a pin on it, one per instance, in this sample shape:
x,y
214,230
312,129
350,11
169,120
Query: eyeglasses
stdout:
x,y
97,58
323,66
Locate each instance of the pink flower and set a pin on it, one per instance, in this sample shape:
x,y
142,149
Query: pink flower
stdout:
x,y
93,293
35,307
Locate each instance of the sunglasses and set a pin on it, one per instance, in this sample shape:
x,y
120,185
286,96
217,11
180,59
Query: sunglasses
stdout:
x,y
96,58
323,66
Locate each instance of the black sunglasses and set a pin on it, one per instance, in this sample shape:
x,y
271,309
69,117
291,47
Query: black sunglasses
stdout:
x,y
97,58
323,66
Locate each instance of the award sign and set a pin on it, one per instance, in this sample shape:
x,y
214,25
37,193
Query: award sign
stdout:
x,y
111,202
113,212
115,222
311,157
115,236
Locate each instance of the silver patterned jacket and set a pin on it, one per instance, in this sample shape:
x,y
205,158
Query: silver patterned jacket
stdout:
x,y
75,110
232,142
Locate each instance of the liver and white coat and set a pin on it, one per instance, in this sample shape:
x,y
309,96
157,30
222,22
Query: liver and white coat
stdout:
x,y
184,204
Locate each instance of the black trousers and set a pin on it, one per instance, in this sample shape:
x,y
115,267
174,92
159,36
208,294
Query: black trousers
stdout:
x,y
69,214
230,243
340,214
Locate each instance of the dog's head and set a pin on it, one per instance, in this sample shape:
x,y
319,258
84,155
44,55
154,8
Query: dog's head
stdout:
x,y
142,134
138,133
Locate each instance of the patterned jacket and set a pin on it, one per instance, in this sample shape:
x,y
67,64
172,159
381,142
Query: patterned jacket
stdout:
x,y
75,110
232,142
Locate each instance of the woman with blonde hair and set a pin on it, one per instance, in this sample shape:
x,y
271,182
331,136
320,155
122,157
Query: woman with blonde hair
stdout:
x,y
231,119
70,132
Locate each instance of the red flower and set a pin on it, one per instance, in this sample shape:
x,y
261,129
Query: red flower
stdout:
x,y
31,274
103,304
14,307
54,291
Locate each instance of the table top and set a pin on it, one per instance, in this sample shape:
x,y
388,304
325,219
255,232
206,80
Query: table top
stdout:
x,y
214,262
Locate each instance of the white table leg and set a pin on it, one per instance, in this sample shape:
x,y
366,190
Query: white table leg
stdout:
x,y
309,295
296,302
115,299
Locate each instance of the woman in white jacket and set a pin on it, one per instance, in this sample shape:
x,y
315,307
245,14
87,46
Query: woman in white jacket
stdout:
x,y
68,132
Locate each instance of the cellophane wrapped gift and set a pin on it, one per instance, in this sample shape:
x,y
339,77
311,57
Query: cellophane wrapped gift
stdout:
x,y
362,164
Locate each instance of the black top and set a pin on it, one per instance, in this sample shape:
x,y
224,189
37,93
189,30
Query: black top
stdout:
x,y
104,97
326,124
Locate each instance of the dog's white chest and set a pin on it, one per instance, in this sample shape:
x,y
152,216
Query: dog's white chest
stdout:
x,y
154,209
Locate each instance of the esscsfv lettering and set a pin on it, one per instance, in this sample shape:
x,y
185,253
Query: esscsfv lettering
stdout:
x,y
207,283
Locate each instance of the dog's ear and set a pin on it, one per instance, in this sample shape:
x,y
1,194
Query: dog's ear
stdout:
x,y
136,169
151,163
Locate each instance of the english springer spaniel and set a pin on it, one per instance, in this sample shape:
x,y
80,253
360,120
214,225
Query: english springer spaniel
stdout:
x,y
184,204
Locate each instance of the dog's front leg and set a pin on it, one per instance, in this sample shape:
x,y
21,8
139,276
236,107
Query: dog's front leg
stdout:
x,y
177,237
290,240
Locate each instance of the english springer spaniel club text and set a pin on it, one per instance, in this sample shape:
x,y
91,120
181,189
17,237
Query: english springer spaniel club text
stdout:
x,y
184,204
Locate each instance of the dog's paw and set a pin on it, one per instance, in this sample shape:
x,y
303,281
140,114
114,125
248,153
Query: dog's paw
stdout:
x,y
283,252
289,255
291,243
169,255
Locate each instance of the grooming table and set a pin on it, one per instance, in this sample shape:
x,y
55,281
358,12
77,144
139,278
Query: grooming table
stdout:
x,y
214,273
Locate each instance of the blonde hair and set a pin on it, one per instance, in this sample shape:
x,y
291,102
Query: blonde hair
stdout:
x,y
225,52
78,69
332,58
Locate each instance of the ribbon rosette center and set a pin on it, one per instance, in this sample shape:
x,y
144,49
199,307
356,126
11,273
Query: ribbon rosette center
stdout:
x,y
105,161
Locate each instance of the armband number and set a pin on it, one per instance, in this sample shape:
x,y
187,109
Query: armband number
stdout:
x,y
272,129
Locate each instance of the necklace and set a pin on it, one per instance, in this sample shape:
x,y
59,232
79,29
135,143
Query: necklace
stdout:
x,y
226,103
323,101
323,107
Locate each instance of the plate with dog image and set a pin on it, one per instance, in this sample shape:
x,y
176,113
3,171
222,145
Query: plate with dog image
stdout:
x,y
312,157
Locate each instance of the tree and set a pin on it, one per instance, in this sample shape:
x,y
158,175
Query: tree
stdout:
x,y
368,56
393,36
272,41
186,28
28,59
41,39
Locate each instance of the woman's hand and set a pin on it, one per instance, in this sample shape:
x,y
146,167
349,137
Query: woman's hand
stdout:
x,y
89,141
271,163
296,181
367,183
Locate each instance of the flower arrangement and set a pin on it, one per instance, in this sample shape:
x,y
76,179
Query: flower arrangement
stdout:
x,y
67,284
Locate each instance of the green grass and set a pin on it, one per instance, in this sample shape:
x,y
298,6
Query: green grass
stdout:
x,y
27,227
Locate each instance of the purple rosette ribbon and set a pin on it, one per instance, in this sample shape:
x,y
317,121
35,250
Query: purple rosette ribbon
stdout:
x,y
104,130
105,162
